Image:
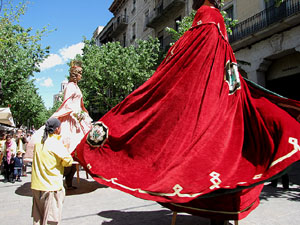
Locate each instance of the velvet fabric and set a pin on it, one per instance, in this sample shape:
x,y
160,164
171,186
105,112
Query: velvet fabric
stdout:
x,y
195,127
230,206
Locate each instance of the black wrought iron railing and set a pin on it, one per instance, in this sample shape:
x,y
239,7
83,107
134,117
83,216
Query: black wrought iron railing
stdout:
x,y
264,19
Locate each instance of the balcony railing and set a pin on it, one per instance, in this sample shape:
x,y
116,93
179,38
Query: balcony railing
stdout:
x,y
119,25
162,9
264,19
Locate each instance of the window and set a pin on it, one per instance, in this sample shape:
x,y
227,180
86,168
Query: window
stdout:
x,y
229,12
146,19
133,5
229,9
124,39
133,32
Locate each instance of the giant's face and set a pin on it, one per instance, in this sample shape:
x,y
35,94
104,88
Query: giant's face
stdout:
x,y
76,74
197,4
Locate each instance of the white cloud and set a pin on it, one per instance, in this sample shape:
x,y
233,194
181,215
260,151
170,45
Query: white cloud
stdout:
x,y
59,70
62,57
39,79
71,51
51,61
47,82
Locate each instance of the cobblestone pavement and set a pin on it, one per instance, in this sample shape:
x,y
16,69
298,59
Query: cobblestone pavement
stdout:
x,y
92,203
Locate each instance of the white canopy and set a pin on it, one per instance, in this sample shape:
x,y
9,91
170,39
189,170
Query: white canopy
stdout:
x,y
6,117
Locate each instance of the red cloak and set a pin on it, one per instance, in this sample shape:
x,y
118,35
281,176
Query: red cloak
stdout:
x,y
196,127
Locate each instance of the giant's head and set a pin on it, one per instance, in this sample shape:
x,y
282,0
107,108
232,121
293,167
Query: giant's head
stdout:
x,y
198,3
75,71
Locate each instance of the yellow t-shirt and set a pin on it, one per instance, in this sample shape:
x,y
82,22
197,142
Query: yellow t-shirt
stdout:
x,y
49,160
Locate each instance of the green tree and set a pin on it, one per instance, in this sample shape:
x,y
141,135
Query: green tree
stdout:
x,y
56,105
28,98
111,72
20,54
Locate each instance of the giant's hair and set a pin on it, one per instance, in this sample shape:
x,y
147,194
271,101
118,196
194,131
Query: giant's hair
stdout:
x,y
74,65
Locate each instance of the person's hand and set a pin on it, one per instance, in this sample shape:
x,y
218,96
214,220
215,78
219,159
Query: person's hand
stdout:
x,y
79,116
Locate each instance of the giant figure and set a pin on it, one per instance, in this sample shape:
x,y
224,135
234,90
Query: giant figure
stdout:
x,y
196,136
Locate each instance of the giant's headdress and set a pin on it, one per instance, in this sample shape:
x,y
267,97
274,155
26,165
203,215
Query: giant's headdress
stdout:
x,y
74,65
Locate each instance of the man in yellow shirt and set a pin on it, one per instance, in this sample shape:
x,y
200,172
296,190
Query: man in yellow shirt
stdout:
x,y
49,159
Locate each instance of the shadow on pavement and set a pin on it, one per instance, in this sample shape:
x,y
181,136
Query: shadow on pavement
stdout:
x,y
162,217
292,194
84,186
24,190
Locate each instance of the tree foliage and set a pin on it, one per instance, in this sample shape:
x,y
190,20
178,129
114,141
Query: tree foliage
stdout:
x,y
56,105
111,72
20,54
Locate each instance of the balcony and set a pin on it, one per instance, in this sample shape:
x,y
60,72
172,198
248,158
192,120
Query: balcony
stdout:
x,y
119,25
163,11
106,34
266,23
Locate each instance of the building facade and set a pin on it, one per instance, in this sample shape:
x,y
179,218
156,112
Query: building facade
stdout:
x,y
266,39
139,19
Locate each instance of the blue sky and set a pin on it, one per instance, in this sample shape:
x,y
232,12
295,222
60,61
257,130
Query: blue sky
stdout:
x,y
73,20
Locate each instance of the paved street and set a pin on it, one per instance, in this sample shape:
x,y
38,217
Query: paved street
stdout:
x,y
94,204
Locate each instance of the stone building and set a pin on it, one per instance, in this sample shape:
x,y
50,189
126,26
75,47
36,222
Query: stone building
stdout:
x,y
139,19
266,38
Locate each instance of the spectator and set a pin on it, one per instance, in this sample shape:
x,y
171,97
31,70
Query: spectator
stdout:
x,y
50,156
9,151
18,165
21,142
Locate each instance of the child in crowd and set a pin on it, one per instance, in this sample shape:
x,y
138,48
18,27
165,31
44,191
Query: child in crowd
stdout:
x,y
18,164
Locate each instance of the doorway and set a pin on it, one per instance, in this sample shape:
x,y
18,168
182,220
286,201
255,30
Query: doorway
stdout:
x,y
287,86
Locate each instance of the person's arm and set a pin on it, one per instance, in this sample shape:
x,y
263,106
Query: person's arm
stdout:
x,y
62,152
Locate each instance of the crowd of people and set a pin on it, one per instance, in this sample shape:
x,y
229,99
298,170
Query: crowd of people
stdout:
x,y
12,149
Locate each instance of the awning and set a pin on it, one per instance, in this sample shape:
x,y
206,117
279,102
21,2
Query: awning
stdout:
x,y
6,117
